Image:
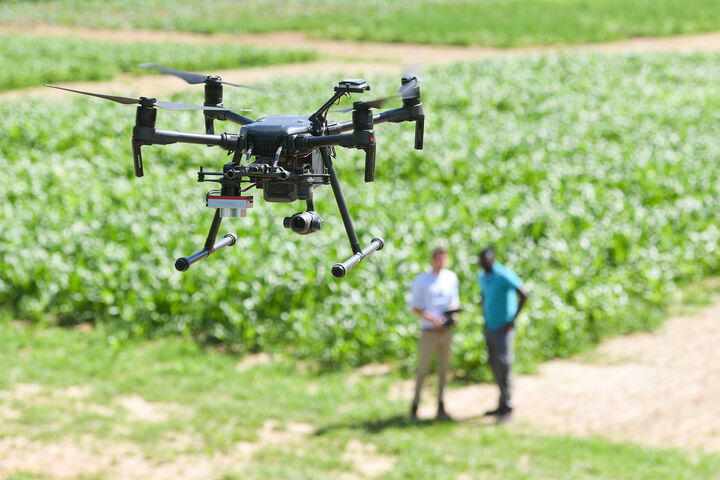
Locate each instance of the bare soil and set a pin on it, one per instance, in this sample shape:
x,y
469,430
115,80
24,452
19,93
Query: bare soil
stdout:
x,y
396,52
346,58
659,388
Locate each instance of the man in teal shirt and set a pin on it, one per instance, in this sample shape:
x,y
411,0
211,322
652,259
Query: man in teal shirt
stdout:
x,y
503,297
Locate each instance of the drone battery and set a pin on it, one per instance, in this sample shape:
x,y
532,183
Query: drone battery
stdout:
x,y
230,206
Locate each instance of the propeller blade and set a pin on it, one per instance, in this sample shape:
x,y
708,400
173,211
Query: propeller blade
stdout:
x,y
413,69
379,102
183,106
196,78
189,77
114,98
245,86
153,102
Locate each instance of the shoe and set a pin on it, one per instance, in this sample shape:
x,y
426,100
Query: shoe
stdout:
x,y
413,412
504,417
499,411
441,413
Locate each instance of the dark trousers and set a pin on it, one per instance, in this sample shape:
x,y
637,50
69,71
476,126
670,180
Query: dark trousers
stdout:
x,y
501,348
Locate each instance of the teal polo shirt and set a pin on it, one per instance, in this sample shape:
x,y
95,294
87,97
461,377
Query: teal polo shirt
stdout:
x,y
499,296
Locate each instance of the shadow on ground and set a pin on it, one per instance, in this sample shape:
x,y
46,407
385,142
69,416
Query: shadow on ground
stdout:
x,y
378,425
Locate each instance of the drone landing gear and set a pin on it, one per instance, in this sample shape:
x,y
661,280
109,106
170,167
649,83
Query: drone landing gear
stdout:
x,y
183,263
340,269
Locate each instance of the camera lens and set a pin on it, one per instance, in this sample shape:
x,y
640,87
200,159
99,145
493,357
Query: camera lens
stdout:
x,y
298,223
303,223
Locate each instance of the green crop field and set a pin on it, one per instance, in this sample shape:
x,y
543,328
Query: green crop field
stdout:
x,y
488,22
596,178
32,60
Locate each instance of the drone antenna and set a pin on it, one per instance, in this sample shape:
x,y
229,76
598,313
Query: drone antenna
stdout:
x,y
319,118
345,87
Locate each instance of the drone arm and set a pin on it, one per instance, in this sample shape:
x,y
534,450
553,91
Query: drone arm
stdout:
x,y
152,136
342,140
406,113
226,115
228,141
142,135
397,115
362,139
340,127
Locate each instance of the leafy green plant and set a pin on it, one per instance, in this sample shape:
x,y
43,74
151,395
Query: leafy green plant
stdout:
x,y
595,177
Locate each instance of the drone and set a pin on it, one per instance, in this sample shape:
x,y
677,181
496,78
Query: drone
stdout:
x,y
285,156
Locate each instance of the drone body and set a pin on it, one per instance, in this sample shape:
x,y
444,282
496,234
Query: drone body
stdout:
x,y
285,172
285,156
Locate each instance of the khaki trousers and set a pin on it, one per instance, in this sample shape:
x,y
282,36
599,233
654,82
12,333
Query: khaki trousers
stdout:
x,y
431,341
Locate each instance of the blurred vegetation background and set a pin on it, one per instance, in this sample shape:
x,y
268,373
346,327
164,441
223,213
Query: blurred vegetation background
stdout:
x,y
501,23
591,175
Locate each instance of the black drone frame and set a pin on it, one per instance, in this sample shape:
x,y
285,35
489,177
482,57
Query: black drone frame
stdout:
x,y
293,154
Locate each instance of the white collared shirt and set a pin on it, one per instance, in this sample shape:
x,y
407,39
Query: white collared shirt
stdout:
x,y
435,293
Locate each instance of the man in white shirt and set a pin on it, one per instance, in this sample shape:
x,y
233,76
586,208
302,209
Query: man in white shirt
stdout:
x,y
434,296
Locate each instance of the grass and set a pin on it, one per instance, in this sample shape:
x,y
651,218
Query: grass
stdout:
x,y
28,61
690,300
211,410
500,23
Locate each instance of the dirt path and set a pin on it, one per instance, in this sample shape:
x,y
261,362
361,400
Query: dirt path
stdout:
x,y
345,58
161,86
90,456
657,389
396,52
